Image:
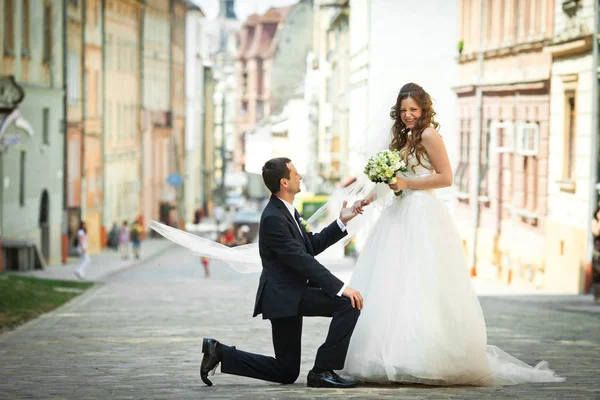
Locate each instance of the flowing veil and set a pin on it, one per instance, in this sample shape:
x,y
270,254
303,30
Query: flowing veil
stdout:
x,y
375,136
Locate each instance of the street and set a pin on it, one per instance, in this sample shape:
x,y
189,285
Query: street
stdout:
x,y
138,335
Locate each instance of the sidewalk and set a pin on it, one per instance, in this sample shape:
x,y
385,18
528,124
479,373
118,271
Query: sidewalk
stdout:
x,y
103,263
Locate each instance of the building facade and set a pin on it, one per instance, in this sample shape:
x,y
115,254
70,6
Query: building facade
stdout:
x,y
157,127
571,152
75,139
253,66
194,114
333,47
92,200
503,125
122,117
32,165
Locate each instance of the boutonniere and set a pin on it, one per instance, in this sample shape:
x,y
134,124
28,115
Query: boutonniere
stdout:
x,y
305,225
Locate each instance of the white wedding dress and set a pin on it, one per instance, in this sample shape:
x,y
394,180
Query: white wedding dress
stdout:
x,y
422,322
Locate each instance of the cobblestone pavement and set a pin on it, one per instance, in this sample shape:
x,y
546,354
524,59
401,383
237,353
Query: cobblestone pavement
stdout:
x,y
138,336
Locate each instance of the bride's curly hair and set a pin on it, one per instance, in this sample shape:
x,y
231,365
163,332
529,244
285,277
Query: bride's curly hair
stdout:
x,y
411,144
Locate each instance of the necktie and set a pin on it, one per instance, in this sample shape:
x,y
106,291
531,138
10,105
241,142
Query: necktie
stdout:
x,y
297,217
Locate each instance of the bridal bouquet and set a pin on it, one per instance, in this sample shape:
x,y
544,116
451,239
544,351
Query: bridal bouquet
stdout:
x,y
383,166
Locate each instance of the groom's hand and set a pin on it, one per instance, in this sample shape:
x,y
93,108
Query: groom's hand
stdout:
x,y
347,213
354,296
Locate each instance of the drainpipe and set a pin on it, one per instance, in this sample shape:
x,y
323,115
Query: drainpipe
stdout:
x,y
84,104
104,127
141,115
593,199
65,223
479,119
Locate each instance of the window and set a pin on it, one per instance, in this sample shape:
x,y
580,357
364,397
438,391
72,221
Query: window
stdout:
x,y
484,159
98,92
22,180
505,138
260,110
9,28
46,126
528,145
462,171
73,79
86,93
569,139
530,182
528,139
109,50
25,28
48,33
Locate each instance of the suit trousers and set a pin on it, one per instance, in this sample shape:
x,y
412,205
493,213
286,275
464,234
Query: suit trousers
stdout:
x,y
287,337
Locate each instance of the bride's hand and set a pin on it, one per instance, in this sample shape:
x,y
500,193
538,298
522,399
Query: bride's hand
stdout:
x,y
399,185
358,205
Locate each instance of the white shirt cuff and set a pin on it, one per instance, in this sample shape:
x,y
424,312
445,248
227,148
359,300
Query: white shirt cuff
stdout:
x,y
339,294
341,225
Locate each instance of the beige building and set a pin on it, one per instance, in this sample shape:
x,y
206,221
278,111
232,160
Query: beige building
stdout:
x,y
332,47
122,133
157,118
570,146
503,126
93,105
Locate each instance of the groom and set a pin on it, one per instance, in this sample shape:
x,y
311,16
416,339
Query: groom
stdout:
x,y
293,285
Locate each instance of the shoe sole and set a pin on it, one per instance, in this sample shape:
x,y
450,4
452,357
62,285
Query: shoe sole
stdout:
x,y
317,386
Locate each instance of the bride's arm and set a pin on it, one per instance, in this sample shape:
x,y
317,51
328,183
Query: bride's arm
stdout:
x,y
438,157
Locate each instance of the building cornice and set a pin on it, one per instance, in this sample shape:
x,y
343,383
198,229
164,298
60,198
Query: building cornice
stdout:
x,y
570,47
505,51
489,87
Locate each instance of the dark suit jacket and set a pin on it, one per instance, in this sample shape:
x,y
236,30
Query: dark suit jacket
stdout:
x,y
288,262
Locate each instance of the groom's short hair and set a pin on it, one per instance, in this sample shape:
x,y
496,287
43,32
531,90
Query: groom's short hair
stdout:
x,y
274,171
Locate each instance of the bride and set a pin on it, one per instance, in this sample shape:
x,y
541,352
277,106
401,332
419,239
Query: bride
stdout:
x,y
422,322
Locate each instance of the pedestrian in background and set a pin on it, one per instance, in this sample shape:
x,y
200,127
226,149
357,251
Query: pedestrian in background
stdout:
x,y
136,239
124,241
205,263
596,256
113,237
82,249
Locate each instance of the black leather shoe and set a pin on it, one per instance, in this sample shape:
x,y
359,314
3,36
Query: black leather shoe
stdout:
x,y
344,381
210,360
329,379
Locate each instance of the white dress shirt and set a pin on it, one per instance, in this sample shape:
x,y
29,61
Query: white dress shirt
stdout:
x,y
292,211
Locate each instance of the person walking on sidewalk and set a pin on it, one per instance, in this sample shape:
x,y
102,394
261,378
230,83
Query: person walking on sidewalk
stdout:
x,y
113,237
124,241
136,239
596,256
82,249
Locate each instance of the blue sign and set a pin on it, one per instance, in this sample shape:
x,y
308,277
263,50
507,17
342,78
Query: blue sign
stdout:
x,y
174,179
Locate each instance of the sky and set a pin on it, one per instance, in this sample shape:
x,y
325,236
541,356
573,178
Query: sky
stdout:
x,y
243,8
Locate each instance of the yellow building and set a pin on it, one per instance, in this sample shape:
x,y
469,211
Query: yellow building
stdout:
x,y
122,133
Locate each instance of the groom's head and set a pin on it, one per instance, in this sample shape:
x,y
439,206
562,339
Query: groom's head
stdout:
x,y
279,174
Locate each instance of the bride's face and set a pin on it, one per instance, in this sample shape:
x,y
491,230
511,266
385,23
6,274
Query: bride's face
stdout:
x,y
410,112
